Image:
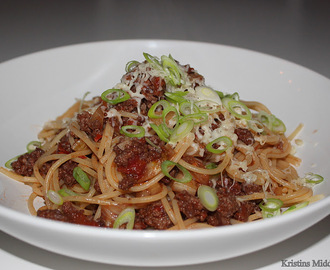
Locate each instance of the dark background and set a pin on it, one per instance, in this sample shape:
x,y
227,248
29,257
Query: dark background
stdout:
x,y
296,30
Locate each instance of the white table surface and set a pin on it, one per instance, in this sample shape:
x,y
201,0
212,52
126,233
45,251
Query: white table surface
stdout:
x,y
294,30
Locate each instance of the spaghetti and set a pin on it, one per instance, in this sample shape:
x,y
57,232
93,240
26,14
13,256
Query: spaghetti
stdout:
x,y
136,156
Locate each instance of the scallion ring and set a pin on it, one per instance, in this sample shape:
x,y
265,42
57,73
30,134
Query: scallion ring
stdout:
x,y
225,143
153,60
176,97
130,65
270,214
10,161
173,120
208,106
234,96
172,69
155,107
65,192
137,131
167,165
161,131
278,126
266,119
211,166
271,205
82,178
54,197
256,126
313,178
181,131
127,216
32,146
188,107
208,197
197,118
295,207
232,106
121,96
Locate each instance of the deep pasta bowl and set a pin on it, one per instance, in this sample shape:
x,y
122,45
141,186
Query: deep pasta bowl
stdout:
x,y
40,86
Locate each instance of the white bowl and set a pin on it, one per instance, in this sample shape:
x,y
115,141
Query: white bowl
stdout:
x,y
38,87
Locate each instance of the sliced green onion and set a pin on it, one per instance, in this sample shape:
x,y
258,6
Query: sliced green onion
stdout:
x,y
166,168
255,125
188,107
211,166
161,131
121,96
197,118
234,96
32,146
176,97
125,216
152,111
10,161
270,214
137,132
231,106
153,60
151,143
266,119
220,94
278,126
208,106
81,178
313,178
130,65
271,208
208,197
221,140
207,94
54,197
172,69
166,111
65,192
271,122
181,131
295,207
271,205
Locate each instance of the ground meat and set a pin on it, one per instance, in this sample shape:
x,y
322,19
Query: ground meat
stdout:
x,y
191,206
194,76
52,214
216,219
68,213
215,124
129,105
227,205
251,188
45,167
65,173
132,156
92,124
245,210
64,146
244,135
24,164
154,216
